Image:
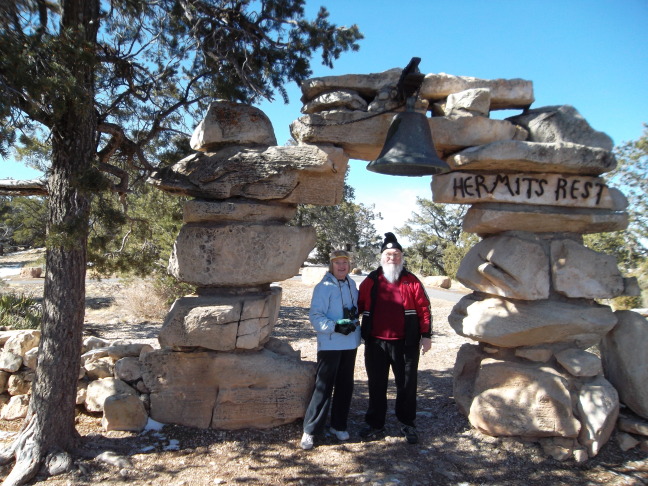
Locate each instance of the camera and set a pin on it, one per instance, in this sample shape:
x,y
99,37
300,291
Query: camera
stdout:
x,y
351,314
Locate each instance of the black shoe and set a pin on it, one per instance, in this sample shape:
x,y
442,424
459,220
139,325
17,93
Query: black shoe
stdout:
x,y
371,433
410,434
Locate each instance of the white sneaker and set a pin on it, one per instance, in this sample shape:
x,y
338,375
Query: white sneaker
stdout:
x,y
340,434
307,441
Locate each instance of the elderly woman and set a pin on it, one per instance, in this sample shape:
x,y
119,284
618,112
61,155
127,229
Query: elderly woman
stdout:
x,y
334,316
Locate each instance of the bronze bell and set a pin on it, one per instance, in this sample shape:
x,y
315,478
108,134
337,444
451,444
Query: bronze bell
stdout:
x,y
408,149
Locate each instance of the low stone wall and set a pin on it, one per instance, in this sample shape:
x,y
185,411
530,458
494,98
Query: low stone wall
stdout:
x,y
128,381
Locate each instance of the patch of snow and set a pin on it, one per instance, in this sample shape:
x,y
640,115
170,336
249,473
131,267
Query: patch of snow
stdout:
x,y
9,269
174,445
153,425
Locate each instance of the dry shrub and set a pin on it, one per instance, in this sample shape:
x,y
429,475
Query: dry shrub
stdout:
x,y
142,299
18,311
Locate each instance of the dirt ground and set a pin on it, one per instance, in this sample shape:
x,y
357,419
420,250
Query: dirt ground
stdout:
x,y
450,452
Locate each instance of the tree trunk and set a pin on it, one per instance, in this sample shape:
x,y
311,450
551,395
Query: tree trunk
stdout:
x,y
48,432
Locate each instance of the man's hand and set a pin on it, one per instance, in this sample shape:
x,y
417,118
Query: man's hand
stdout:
x,y
426,344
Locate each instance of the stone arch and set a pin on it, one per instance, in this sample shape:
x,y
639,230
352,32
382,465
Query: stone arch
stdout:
x,y
533,184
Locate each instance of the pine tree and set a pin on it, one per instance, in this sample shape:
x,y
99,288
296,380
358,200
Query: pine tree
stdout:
x,y
437,241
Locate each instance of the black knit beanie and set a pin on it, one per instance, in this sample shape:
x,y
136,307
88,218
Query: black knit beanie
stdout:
x,y
390,242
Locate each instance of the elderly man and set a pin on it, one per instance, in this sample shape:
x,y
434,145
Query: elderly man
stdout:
x,y
396,323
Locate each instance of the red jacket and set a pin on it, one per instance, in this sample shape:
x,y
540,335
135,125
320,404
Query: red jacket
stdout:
x,y
418,318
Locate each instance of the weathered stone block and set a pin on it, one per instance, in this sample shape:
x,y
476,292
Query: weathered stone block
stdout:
x,y
344,99
564,123
505,93
128,369
227,390
578,362
199,211
598,409
368,85
466,367
302,174
625,360
221,322
506,266
23,341
365,139
527,400
124,412
470,102
228,122
16,408
239,255
540,189
579,272
99,390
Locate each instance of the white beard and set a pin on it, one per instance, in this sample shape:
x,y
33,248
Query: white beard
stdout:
x,y
392,271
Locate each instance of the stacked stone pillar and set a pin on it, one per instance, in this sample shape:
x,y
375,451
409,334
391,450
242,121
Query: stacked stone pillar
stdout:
x,y
534,311
218,366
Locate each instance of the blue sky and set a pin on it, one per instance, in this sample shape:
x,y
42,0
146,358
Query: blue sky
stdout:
x,y
592,54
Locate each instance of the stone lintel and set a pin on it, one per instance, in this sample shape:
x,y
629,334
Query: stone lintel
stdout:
x,y
362,135
505,93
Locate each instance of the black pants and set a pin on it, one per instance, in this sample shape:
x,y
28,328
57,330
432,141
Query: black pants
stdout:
x,y
379,356
334,371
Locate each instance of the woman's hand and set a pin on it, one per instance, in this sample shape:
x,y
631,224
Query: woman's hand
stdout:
x,y
345,326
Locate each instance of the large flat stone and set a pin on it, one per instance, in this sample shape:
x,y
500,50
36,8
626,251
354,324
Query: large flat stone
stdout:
x,y
505,93
366,84
521,156
304,174
514,323
488,218
199,211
